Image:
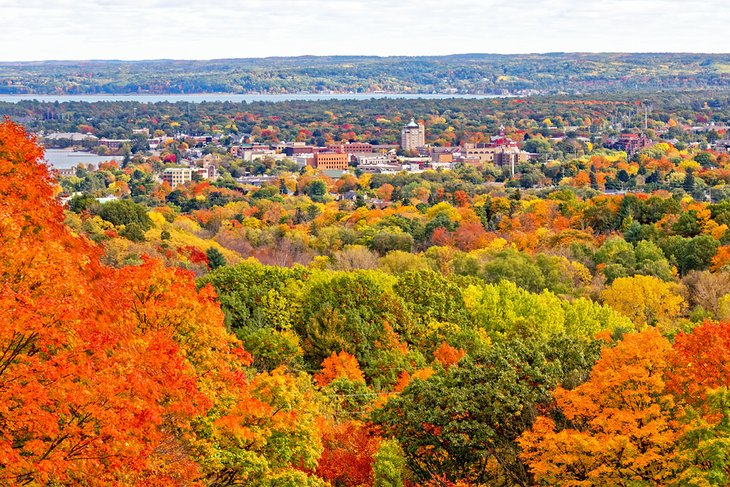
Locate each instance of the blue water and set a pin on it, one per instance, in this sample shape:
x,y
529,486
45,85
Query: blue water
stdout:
x,y
223,97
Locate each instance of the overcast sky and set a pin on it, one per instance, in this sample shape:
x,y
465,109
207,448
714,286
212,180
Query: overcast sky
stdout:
x,y
200,29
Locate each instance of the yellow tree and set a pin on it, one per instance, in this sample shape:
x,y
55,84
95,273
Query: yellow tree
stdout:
x,y
621,427
647,300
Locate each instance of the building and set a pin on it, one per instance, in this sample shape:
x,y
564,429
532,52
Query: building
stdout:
x,y
445,154
377,163
176,176
480,152
250,155
630,143
304,160
72,136
114,144
66,172
297,149
206,172
723,146
258,181
412,136
372,159
331,160
352,148
501,150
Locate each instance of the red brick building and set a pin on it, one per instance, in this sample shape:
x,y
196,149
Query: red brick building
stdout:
x,y
331,160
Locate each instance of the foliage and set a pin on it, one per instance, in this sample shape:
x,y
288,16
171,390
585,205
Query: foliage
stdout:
x,y
619,427
651,302
461,423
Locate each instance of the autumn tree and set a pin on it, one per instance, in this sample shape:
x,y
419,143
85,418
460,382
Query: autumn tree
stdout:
x,y
347,458
621,427
126,376
460,424
339,365
646,300
701,361
85,385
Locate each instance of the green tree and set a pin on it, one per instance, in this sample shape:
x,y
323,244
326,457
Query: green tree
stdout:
x,y
317,190
461,424
125,212
389,465
215,258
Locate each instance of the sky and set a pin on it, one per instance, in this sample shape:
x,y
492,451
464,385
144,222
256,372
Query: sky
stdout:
x,y
34,30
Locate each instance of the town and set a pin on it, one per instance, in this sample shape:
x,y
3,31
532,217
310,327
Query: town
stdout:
x,y
520,159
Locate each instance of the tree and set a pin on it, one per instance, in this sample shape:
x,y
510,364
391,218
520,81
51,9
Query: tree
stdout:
x,y
134,232
85,376
215,258
339,365
460,424
316,190
389,465
689,181
354,257
347,459
537,145
646,300
690,254
701,361
385,192
126,376
619,428
705,443
353,313
125,212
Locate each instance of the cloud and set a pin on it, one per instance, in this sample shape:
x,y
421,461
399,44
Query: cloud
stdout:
x,y
147,29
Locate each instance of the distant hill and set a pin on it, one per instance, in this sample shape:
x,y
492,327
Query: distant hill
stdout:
x,y
462,73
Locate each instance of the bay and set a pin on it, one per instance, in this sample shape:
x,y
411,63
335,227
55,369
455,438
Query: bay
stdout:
x,y
66,159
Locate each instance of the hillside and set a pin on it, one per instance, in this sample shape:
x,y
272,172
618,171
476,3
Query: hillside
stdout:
x,y
462,73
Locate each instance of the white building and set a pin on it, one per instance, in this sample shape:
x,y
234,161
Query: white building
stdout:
x,y
176,176
412,136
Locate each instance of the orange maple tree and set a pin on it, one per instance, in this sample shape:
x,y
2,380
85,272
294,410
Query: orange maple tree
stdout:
x,y
339,365
127,375
622,426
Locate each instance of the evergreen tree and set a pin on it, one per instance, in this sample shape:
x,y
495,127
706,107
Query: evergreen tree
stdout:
x,y
215,258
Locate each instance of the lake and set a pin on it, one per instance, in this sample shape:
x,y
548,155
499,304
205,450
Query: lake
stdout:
x,y
66,159
225,97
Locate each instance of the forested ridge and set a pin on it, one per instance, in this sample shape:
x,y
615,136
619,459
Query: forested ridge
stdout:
x,y
462,73
454,338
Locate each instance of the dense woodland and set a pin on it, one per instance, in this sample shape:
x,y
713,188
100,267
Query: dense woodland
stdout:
x,y
464,73
440,329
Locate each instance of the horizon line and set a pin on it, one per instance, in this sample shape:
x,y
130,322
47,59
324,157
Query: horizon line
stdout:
x,y
364,56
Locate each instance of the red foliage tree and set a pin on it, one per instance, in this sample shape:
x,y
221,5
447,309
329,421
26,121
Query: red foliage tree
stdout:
x,y
102,371
347,459
701,361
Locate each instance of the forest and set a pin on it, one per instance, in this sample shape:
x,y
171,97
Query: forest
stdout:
x,y
464,73
440,329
